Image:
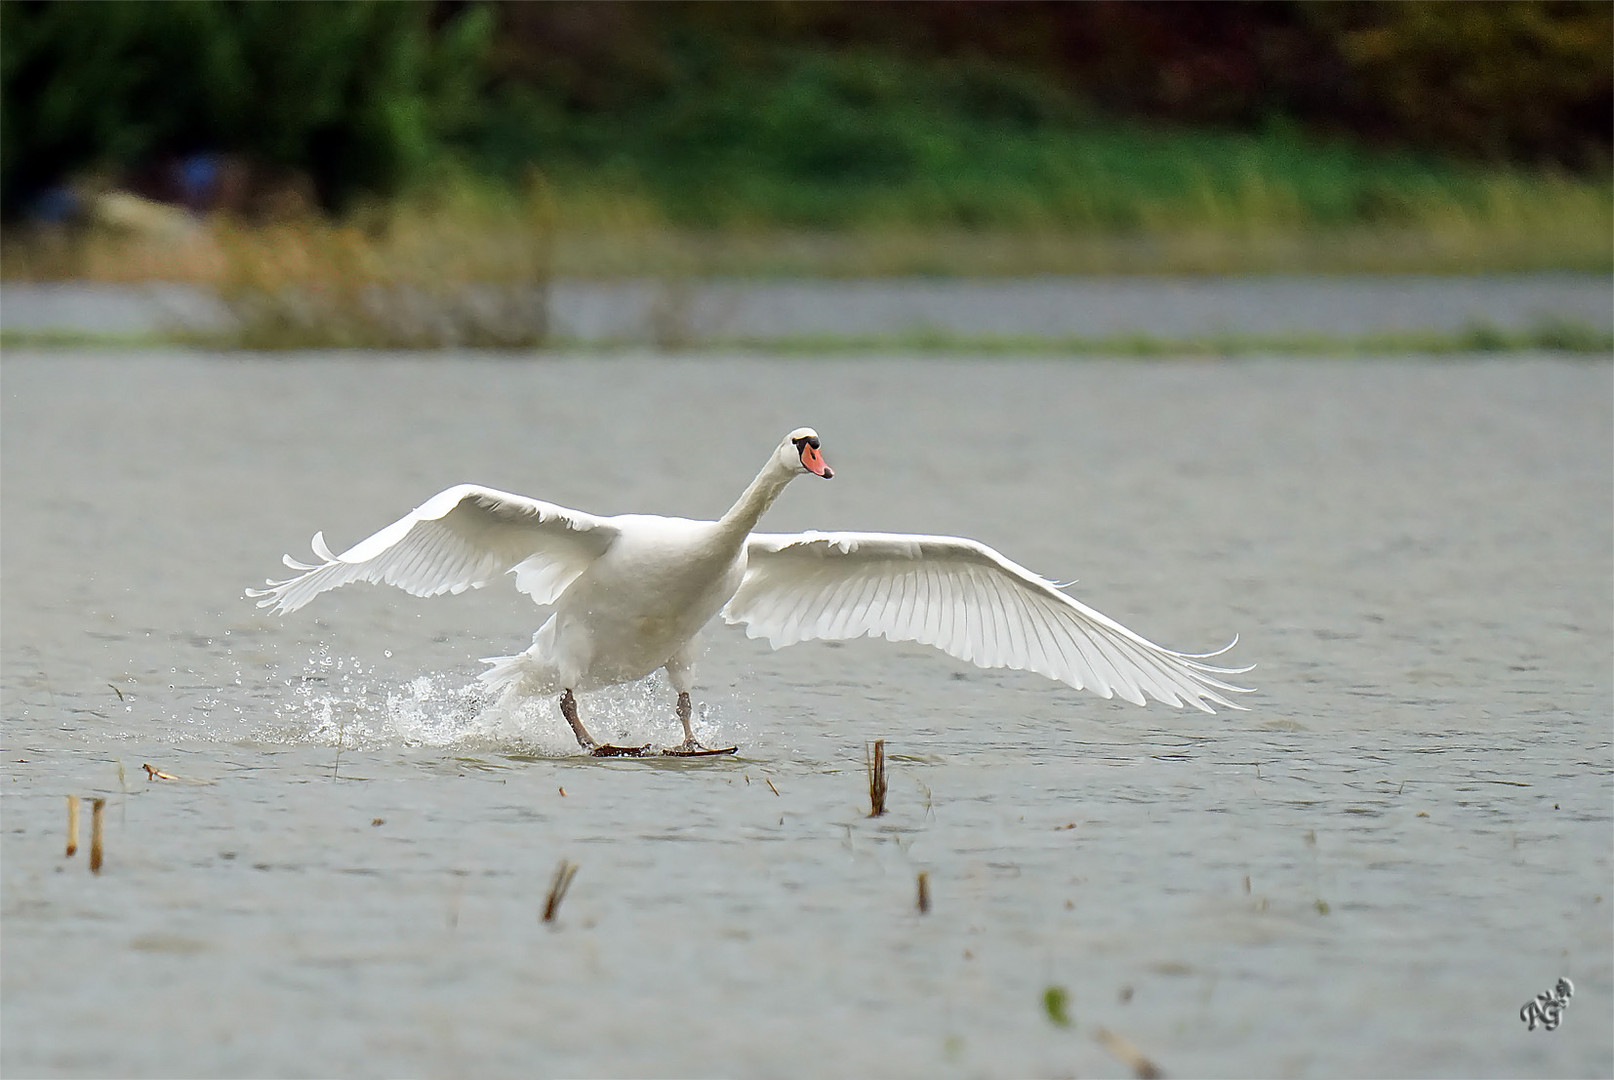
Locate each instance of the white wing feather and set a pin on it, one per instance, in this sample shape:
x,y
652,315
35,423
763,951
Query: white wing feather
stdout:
x,y
965,599
458,539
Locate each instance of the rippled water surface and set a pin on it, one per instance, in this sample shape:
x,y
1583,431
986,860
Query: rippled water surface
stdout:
x,y
1405,839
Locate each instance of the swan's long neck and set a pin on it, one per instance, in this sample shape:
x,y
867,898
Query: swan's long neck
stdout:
x,y
743,516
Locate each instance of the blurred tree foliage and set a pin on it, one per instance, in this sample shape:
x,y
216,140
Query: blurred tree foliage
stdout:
x,y
1520,80
1525,80
973,112
365,96
359,95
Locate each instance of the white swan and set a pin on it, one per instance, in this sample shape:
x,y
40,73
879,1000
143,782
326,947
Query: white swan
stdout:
x,y
631,592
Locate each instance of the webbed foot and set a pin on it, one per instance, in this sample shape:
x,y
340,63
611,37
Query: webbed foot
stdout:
x,y
608,750
691,748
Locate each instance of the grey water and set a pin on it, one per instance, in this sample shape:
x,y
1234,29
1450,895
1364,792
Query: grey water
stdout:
x,y
693,311
1405,839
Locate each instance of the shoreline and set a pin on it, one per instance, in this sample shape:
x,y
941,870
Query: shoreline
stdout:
x,y
1043,315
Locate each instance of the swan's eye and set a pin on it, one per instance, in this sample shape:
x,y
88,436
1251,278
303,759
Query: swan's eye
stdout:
x,y
810,440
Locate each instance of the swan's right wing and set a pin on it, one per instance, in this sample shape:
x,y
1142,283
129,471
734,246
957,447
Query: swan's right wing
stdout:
x,y
965,599
458,539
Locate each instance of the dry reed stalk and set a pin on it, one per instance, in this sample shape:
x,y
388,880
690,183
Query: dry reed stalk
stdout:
x,y
1128,1054
876,766
72,825
770,786
924,892
97,809
557,889
412,276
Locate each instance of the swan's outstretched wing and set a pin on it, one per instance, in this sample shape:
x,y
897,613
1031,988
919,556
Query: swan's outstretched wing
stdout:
x,y
458,539
965,599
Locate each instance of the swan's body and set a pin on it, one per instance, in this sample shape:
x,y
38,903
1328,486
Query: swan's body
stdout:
x,y
630,593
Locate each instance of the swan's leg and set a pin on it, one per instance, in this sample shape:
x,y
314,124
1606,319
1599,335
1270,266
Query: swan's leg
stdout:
x,y
680,671
568,709
684,712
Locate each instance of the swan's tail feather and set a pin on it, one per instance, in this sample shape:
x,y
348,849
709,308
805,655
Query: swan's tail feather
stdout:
x,y
519,674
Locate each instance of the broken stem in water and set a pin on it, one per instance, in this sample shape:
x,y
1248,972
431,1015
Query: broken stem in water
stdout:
x,y
876,767
341,725
97,807
72,825
1130,1055
557,889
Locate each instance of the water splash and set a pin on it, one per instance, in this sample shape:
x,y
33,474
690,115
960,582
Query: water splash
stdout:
x,y
340,701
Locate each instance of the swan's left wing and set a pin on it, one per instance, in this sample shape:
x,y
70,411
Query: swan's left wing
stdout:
x,y
965,599
458,539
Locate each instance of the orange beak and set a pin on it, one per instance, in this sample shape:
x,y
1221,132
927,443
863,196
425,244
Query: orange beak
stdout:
x,y
813,461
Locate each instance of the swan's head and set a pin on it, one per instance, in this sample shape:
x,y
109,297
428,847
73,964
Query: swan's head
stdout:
x,y
800,450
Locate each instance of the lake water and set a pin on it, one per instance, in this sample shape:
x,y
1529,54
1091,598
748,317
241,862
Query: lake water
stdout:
x,y
1405,839
1048,306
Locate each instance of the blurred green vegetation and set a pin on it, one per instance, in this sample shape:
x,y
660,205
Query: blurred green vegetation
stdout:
x,y
1525,81
1110,116
1478,127
863,139
362,96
